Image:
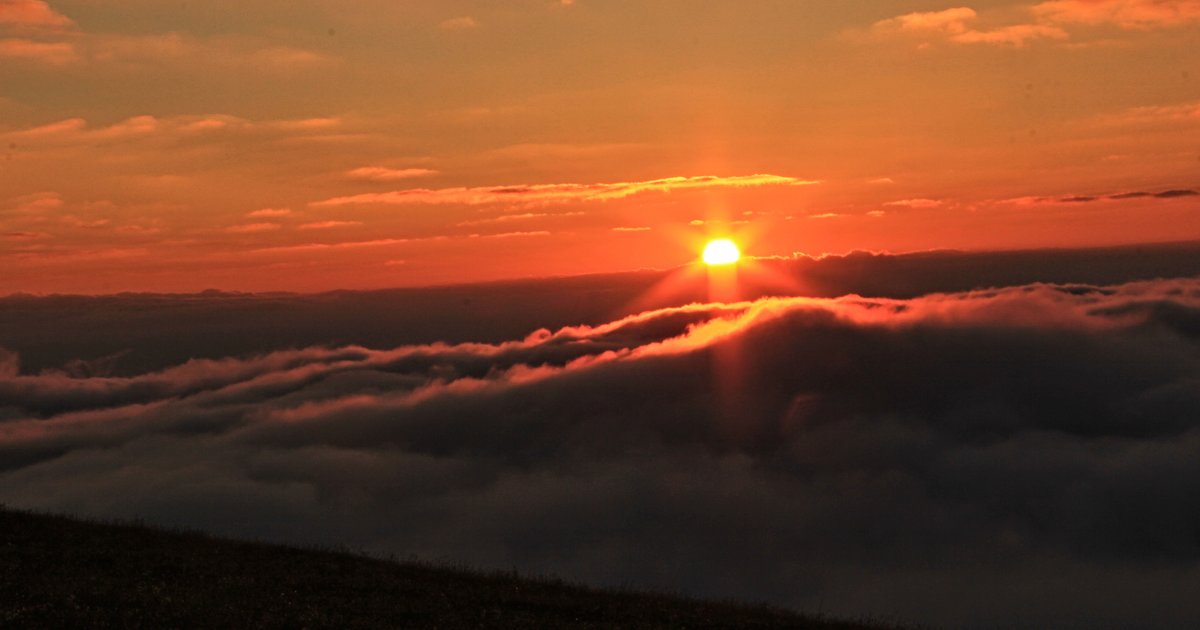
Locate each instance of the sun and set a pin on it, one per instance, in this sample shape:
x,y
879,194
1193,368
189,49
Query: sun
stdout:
x,y
721,252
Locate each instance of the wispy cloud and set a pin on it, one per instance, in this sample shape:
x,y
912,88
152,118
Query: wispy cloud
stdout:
x,y
1013,35
24,236
53,53
1136,195
63,46
511,234
1045,21
549,193
915,203
269,213
33,203
343,245
250,228
77,131
1152,114
1128,14
325,225
463,23
524,216
385,174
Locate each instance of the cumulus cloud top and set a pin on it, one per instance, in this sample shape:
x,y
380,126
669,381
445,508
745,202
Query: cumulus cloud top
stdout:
x,y
791,448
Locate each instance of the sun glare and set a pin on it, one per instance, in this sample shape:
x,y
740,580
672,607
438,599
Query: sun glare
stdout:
x,y
721,252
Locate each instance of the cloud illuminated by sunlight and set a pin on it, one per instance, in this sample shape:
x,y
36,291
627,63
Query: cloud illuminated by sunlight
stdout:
x,y
956,25
32,13
548,193
1129,14
385,174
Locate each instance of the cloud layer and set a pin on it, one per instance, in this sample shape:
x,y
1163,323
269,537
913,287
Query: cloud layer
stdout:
x,y
1016,454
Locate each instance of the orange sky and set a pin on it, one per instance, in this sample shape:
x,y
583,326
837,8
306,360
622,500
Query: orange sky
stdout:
x,y
314,144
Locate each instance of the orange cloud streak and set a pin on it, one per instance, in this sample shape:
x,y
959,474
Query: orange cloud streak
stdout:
x,y
548,193
54,53
384,174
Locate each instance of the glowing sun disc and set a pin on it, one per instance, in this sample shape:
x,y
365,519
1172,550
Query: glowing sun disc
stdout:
x,y
721,252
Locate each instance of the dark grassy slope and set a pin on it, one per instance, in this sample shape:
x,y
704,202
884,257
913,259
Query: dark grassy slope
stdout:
x,y
61,572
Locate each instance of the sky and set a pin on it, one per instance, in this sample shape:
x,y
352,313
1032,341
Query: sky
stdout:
x,y
312,145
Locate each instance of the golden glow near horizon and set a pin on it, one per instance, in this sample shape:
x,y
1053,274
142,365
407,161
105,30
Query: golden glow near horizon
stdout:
x,y
721,252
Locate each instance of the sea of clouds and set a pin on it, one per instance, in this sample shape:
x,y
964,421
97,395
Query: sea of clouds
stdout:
x,y
1021,454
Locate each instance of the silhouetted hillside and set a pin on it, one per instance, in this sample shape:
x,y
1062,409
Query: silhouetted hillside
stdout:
x,y
61,572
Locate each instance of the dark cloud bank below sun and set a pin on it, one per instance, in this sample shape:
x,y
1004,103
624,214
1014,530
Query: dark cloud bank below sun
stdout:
x,y
1016,454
